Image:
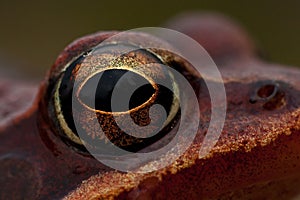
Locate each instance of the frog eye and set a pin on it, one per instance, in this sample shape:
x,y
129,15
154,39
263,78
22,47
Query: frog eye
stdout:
x,y
82,99
270,94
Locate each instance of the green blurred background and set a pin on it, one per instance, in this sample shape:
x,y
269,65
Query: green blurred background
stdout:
x,y
34,32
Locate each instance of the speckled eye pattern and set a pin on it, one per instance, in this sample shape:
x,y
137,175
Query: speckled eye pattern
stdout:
x,y
104,73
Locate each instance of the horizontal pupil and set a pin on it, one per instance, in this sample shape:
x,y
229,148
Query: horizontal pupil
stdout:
x,y
115,79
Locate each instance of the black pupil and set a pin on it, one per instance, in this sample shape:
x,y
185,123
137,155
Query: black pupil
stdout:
x,y
123,81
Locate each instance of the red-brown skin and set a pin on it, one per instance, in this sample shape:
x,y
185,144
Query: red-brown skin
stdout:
x,y
35,163
257,145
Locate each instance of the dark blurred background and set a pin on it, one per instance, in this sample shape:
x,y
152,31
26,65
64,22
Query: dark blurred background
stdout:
x,y
34,32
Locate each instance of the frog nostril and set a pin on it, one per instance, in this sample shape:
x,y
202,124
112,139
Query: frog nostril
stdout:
x,y
267,91
269,94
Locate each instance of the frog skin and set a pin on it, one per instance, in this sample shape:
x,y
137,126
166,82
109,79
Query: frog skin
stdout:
x,y
256,157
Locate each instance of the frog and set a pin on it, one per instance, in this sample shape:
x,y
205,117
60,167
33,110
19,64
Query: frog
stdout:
x,y
255,157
